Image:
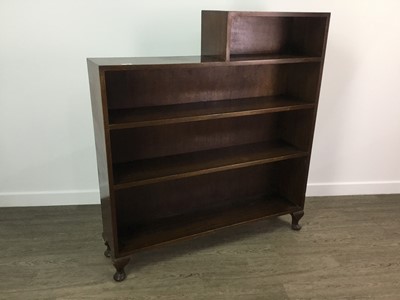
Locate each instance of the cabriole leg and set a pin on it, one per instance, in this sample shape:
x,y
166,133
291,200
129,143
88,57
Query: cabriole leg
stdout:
x,y
119,264
107,252
296,216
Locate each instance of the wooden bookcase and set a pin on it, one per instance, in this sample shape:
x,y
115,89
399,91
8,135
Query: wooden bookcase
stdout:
x,y
187,145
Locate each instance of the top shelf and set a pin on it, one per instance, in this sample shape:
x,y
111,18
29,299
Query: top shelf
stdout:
x,y
274,58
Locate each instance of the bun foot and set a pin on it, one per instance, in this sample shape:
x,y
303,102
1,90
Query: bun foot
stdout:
x,y
296,226
296,216
119,265
119,276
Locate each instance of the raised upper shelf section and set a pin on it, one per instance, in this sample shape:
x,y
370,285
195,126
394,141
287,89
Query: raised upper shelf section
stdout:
x,y
200,111
244,36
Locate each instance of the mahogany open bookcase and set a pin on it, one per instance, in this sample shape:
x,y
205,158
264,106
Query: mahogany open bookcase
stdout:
x,y
187,145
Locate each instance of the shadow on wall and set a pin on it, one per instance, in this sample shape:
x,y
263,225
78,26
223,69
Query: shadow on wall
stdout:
x,y
334,113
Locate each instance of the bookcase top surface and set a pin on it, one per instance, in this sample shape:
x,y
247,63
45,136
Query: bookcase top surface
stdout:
x,y
127,63
132,61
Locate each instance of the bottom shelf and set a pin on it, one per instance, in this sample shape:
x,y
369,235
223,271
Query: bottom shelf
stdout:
x,y
161,231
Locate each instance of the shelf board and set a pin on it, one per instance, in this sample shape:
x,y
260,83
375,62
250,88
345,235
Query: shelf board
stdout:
x,y
149,171
200,111
275,58
183,226
131,63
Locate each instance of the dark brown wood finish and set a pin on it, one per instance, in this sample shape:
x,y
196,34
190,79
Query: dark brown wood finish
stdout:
x,y
205,194
120,264
201,111
296,216
186,225
214,31
183,84
166,62
174,167
248,35
103,154
261,34
188,145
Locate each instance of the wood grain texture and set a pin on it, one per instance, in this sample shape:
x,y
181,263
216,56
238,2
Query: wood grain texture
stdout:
x,y
158,141
231,35
165,62
214,33
103,156
348,248
157,232
201,111
184,84
142,204
175,167
274,58
258,35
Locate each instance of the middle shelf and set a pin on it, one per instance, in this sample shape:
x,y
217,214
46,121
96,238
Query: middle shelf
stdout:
x,y
155,170
204,110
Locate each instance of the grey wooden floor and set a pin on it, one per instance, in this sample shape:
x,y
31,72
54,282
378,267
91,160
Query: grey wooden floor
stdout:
x,y
349,248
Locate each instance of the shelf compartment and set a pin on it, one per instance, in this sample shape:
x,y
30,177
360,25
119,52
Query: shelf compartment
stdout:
x,y
295,35
228,35
147,234
150,171
187,84
200,111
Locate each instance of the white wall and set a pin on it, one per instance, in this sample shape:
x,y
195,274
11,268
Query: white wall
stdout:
x,y
47,154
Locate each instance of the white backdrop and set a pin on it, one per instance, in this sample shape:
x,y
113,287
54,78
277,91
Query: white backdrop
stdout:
x,y
47,154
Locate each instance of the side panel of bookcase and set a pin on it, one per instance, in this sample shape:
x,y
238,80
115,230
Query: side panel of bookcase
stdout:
x,y
103,155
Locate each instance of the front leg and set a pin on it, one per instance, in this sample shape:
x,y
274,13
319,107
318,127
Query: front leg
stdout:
x,y
296,216
119,264
107,252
